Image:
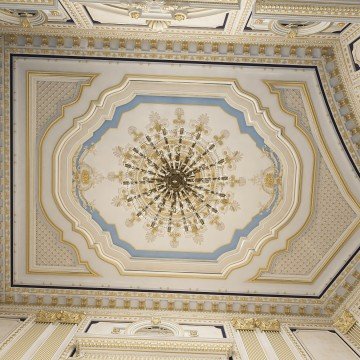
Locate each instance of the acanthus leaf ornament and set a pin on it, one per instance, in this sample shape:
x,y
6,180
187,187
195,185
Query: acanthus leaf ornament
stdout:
x,y
244,324
268,325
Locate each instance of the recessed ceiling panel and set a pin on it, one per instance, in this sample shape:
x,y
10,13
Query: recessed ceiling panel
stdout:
x,y
156,16
181,176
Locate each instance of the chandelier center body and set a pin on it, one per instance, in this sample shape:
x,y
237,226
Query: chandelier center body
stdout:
x,y
175,180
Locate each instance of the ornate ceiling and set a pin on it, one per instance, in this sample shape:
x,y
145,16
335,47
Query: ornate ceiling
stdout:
x,y
196,177
196,148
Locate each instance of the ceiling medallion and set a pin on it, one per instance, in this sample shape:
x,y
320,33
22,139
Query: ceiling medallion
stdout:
x,y
177,179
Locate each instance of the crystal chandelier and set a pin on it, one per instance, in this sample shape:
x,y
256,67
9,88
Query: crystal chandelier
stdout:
x,y
176,179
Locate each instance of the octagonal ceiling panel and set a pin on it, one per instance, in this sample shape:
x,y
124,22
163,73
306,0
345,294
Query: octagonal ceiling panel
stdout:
x,y
176,176
145,175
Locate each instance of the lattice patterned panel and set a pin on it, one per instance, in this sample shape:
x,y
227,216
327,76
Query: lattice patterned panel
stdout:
x,y
48,349
354,335
19,349
280,346
252,345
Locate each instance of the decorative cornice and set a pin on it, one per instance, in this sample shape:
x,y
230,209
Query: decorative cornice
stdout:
x,y
103,32
345,322
175,345
316,8
215,303
64,317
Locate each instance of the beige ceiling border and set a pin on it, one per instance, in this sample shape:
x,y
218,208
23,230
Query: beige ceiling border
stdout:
x,y
303,86
334,296
90,78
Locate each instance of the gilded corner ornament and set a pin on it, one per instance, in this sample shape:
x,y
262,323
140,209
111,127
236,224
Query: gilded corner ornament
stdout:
x,y
252,324
244,324
268,325
345,322
64,317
